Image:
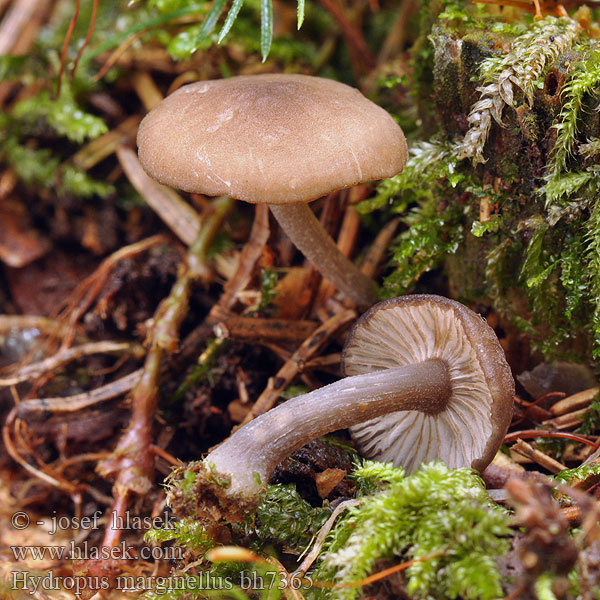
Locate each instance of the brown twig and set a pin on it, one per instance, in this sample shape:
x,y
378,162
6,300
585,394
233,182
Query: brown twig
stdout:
x,y
574,402
259,330
251,254
97,150
116,54
65,48
397,34
379,248
538,457
294,365
88,36
533,433
566,421
67,355
353,36
132,461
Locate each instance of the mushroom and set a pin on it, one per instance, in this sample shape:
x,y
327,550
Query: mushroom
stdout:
x,y
278,139
427,380
465,429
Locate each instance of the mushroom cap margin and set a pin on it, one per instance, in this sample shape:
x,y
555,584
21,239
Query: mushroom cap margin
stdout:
x,y
272,138
485,347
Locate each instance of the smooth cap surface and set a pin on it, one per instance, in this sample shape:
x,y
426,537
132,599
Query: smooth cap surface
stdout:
x,y
269,138
411,329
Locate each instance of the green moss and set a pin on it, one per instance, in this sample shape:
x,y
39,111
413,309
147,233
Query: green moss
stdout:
x,y
519,135
285,519
190,534
580,473
438,514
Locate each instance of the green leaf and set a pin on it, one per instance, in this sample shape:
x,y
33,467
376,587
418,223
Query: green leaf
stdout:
x,y
534,272
492,225
136,28
266,27
11,66
300,13
231,17
211,19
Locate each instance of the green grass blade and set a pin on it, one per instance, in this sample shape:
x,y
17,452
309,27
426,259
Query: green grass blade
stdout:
x,y
266,27
231,17
300,13
211,19
121,37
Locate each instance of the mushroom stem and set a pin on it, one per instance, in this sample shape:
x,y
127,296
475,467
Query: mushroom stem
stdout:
x,y
251,454
307,234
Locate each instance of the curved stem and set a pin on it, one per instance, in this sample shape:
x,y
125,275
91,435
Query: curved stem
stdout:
x,y
251,454
307,234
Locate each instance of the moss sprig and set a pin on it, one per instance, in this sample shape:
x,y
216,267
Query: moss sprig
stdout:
x,y
583,81
284,518
436,512
593,263
520,68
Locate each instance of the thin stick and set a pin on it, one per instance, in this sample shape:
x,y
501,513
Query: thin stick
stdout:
x,y
12,451
133,459
323,533
77,402
351,34
115,55
65,48
379,248
67,355
294,365
251,253
547,462
181,218
533,433
88,36
575,401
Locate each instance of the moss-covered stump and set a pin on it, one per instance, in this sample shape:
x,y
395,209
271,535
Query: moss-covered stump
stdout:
x,y
505,195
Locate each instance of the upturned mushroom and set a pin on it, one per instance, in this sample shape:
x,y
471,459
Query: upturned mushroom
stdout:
x,y
278,139
427,380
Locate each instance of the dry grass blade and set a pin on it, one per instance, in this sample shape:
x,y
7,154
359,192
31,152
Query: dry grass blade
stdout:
x,y
100,148
168,205
574,402
16,19
250,256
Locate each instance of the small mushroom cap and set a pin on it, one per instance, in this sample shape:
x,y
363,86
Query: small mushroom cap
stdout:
x,y
269,138
412,329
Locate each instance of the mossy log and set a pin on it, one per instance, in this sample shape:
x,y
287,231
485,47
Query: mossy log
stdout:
x,y
510,180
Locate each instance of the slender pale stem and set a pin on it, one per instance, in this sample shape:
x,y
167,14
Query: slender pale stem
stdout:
x,y
308,235
251,454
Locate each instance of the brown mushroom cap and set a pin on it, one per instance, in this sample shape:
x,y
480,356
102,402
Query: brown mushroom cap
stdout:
x,y
269,138
412,329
